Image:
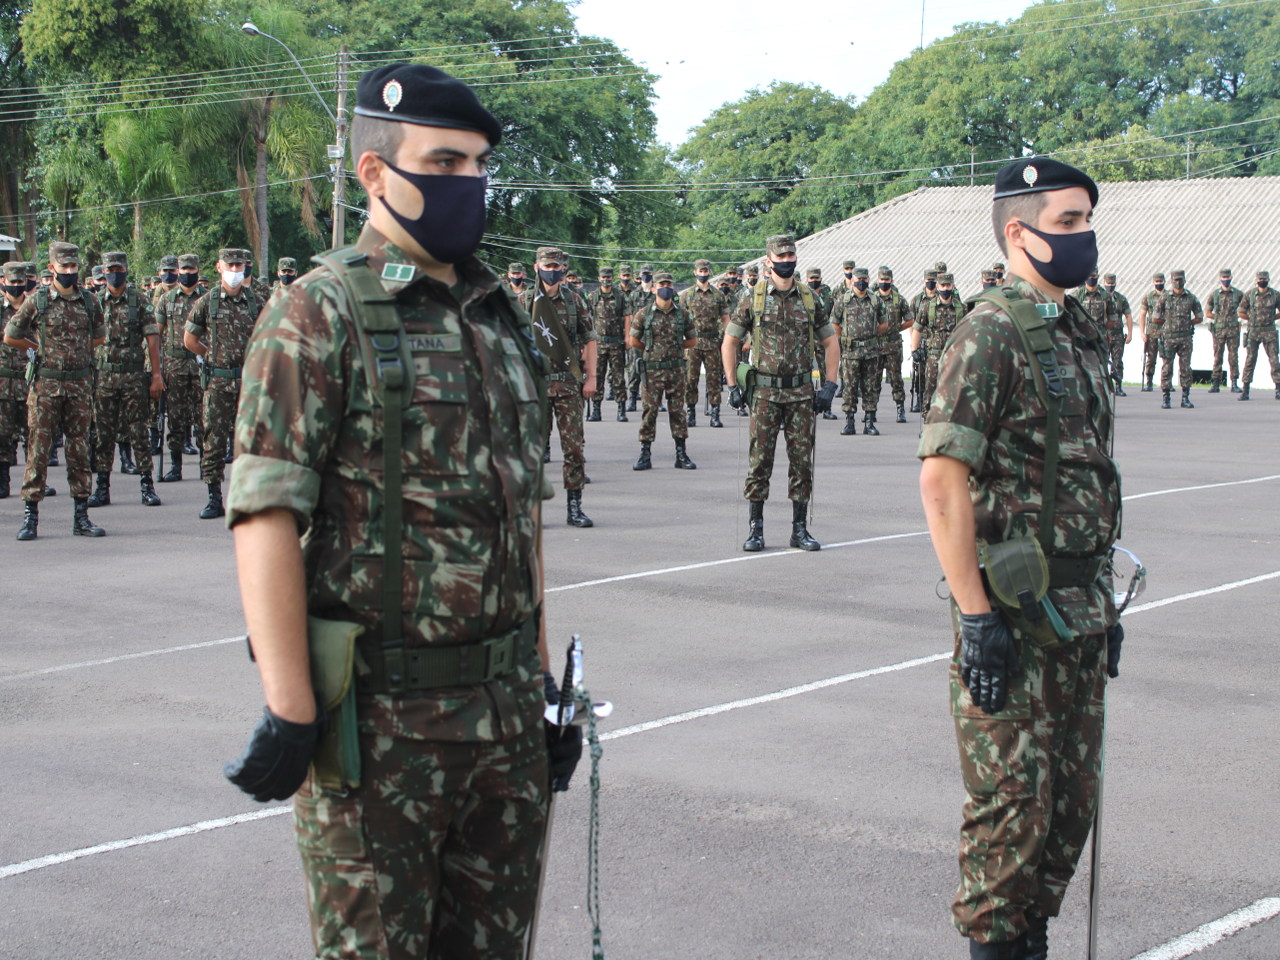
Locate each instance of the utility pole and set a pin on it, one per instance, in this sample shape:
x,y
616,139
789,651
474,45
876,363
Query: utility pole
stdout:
x,y
1188,158
922,2
973,156
338,154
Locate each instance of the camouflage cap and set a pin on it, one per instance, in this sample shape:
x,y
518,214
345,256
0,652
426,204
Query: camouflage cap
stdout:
x,y
941,266
646,268
663,275
189,260
96,272
861,273
286,263
848,265
884,273
624,268
116,258
30,267
1224,272
989,275
1177,274
1108,278
947,278
169,262
997,267
46,272
247,254
515,268
732,272
15,271
1263,275
780,244
551,255
699,264
1159,277
931,274
64,253
232,255
753,270
605,273
814,272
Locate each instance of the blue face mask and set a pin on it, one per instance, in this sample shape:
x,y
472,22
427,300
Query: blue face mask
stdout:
x,y
116,278
169,276
861,284
550,277
188,279
67,280
646,277
1073,256
452,221
666,293
288,278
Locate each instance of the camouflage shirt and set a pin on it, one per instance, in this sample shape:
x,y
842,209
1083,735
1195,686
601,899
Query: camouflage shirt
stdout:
x,y
308,440
1150,302
610,312
126,346
781,345
987,414
63,336
563,355
895,311
937,320
1177,313
663,333
708,309
158,293
172,315
227,337
1225,306
1258,306
1121,308
857,318
13,360
1097,303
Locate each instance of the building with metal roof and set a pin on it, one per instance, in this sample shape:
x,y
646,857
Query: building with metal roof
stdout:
x,y
1199,226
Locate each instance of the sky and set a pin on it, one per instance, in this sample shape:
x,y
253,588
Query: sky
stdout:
x,y
710,53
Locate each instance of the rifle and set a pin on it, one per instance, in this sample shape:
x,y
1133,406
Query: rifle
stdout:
x,y
917,383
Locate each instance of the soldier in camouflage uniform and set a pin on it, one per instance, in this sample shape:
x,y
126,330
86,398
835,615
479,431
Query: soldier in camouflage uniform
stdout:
x,y
609,307
1119,332
435,851
225,316
709,310
933,325
988,279
125,382
286,273
13,381
919,355
1258,311
1151,347
62,324
783,328
564,334
516,279
997,272
254,284
167,279
182,379
640,297
822,293
896,312
1176,315
1028,714
660,333
858,326
1222,307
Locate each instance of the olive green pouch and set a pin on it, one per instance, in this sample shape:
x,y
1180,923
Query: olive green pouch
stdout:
x,y
332,646
1017,576
747,381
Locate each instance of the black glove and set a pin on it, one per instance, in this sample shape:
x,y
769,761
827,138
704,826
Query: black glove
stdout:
x,y
275,760
917,355
1115,640
736,399
564,744
822,399
988,658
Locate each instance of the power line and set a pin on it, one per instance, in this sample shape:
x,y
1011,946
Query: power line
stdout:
x,y
1104,21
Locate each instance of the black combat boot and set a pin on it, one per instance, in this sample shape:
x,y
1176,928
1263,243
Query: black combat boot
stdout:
x,y
214,507
49,491
576,517
839,391
127,465
1120,389
102,493
645,462
915,405
755,527
53,457
869,425
1004,950
743,411
81,525
1186,399
1036,939
230,453
1149,386
691,415
850,428
715,420
830,415
594,415
156,440
1165,404
188,447
174,473
902,414
546,452
632,401
1213,387
799,529
30,520
149,498
609,395
1235,386
1278,393
1244,393
682,458
622,412
4,481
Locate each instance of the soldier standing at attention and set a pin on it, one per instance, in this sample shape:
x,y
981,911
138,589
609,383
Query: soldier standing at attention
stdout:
x,y
640,298
1258,311
1028,711
125,384
13,380
422,549
660,333
516,279
62,323
709,311
608,305
859,328
928,294
255,285
1150,332
997,273
286,273
784,322
821,293
1095,301
988,279
226,315
896,312
933,326
1176,315
181,377
563,332
1222,306
167,279
1119,332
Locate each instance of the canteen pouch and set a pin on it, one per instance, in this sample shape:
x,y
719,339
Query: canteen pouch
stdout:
x,y
332,648
747,381
1017,576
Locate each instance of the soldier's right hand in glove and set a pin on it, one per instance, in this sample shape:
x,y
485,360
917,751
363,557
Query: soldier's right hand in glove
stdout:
x,y
917,355
736,399
275,760
564,744
988,658
822,399
1115,639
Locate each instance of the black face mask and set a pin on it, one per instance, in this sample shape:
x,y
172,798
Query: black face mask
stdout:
x,y
31,285
988,284
945,294
1074,256
67,280
188,279
724,288
702,278
885,285
1110,288
815,284
1091,282
646,277
116,278
1226,283
453,214
15,290
516,281
169,276
784,269
1263,284
861,284
666,293
550,277
248,270
1159,286
848,274
930,284
288,278
736,281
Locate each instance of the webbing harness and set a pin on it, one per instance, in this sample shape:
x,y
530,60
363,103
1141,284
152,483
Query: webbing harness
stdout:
x,y
648,336
757,309
42,306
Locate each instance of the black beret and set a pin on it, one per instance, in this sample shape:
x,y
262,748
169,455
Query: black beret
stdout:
x,y
1041,174
416,93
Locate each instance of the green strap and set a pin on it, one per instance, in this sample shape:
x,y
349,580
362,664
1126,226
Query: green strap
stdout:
x,y
215,298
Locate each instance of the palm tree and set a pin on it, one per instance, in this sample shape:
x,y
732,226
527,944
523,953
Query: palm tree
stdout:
x,y
145,151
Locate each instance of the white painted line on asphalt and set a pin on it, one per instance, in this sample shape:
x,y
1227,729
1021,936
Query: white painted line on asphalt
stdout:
x,y
126,656
1215,931
1222,588
1203,486
53,859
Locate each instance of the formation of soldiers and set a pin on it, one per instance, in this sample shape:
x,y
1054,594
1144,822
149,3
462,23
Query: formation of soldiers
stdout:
x,y
104,365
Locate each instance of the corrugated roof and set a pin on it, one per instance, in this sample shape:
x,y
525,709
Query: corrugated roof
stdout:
x,y
1198,226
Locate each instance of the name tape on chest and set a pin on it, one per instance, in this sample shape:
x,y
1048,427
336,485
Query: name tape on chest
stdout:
x,y
436,343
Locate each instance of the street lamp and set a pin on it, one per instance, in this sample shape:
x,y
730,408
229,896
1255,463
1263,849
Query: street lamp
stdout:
x,y
337,151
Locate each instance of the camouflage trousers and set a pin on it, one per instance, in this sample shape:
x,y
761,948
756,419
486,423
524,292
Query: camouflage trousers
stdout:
x,y
893,372
1268,342
566,409
217,428
435,855
47,416
932,359
1229,344
634,376
705,354
611,364
181,404
796,422
1116,346
861,377
1031,773
1150,353
1181,351
13,418
121,409
670,383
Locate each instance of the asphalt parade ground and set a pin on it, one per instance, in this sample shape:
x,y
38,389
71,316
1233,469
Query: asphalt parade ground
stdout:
x,y
779,776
